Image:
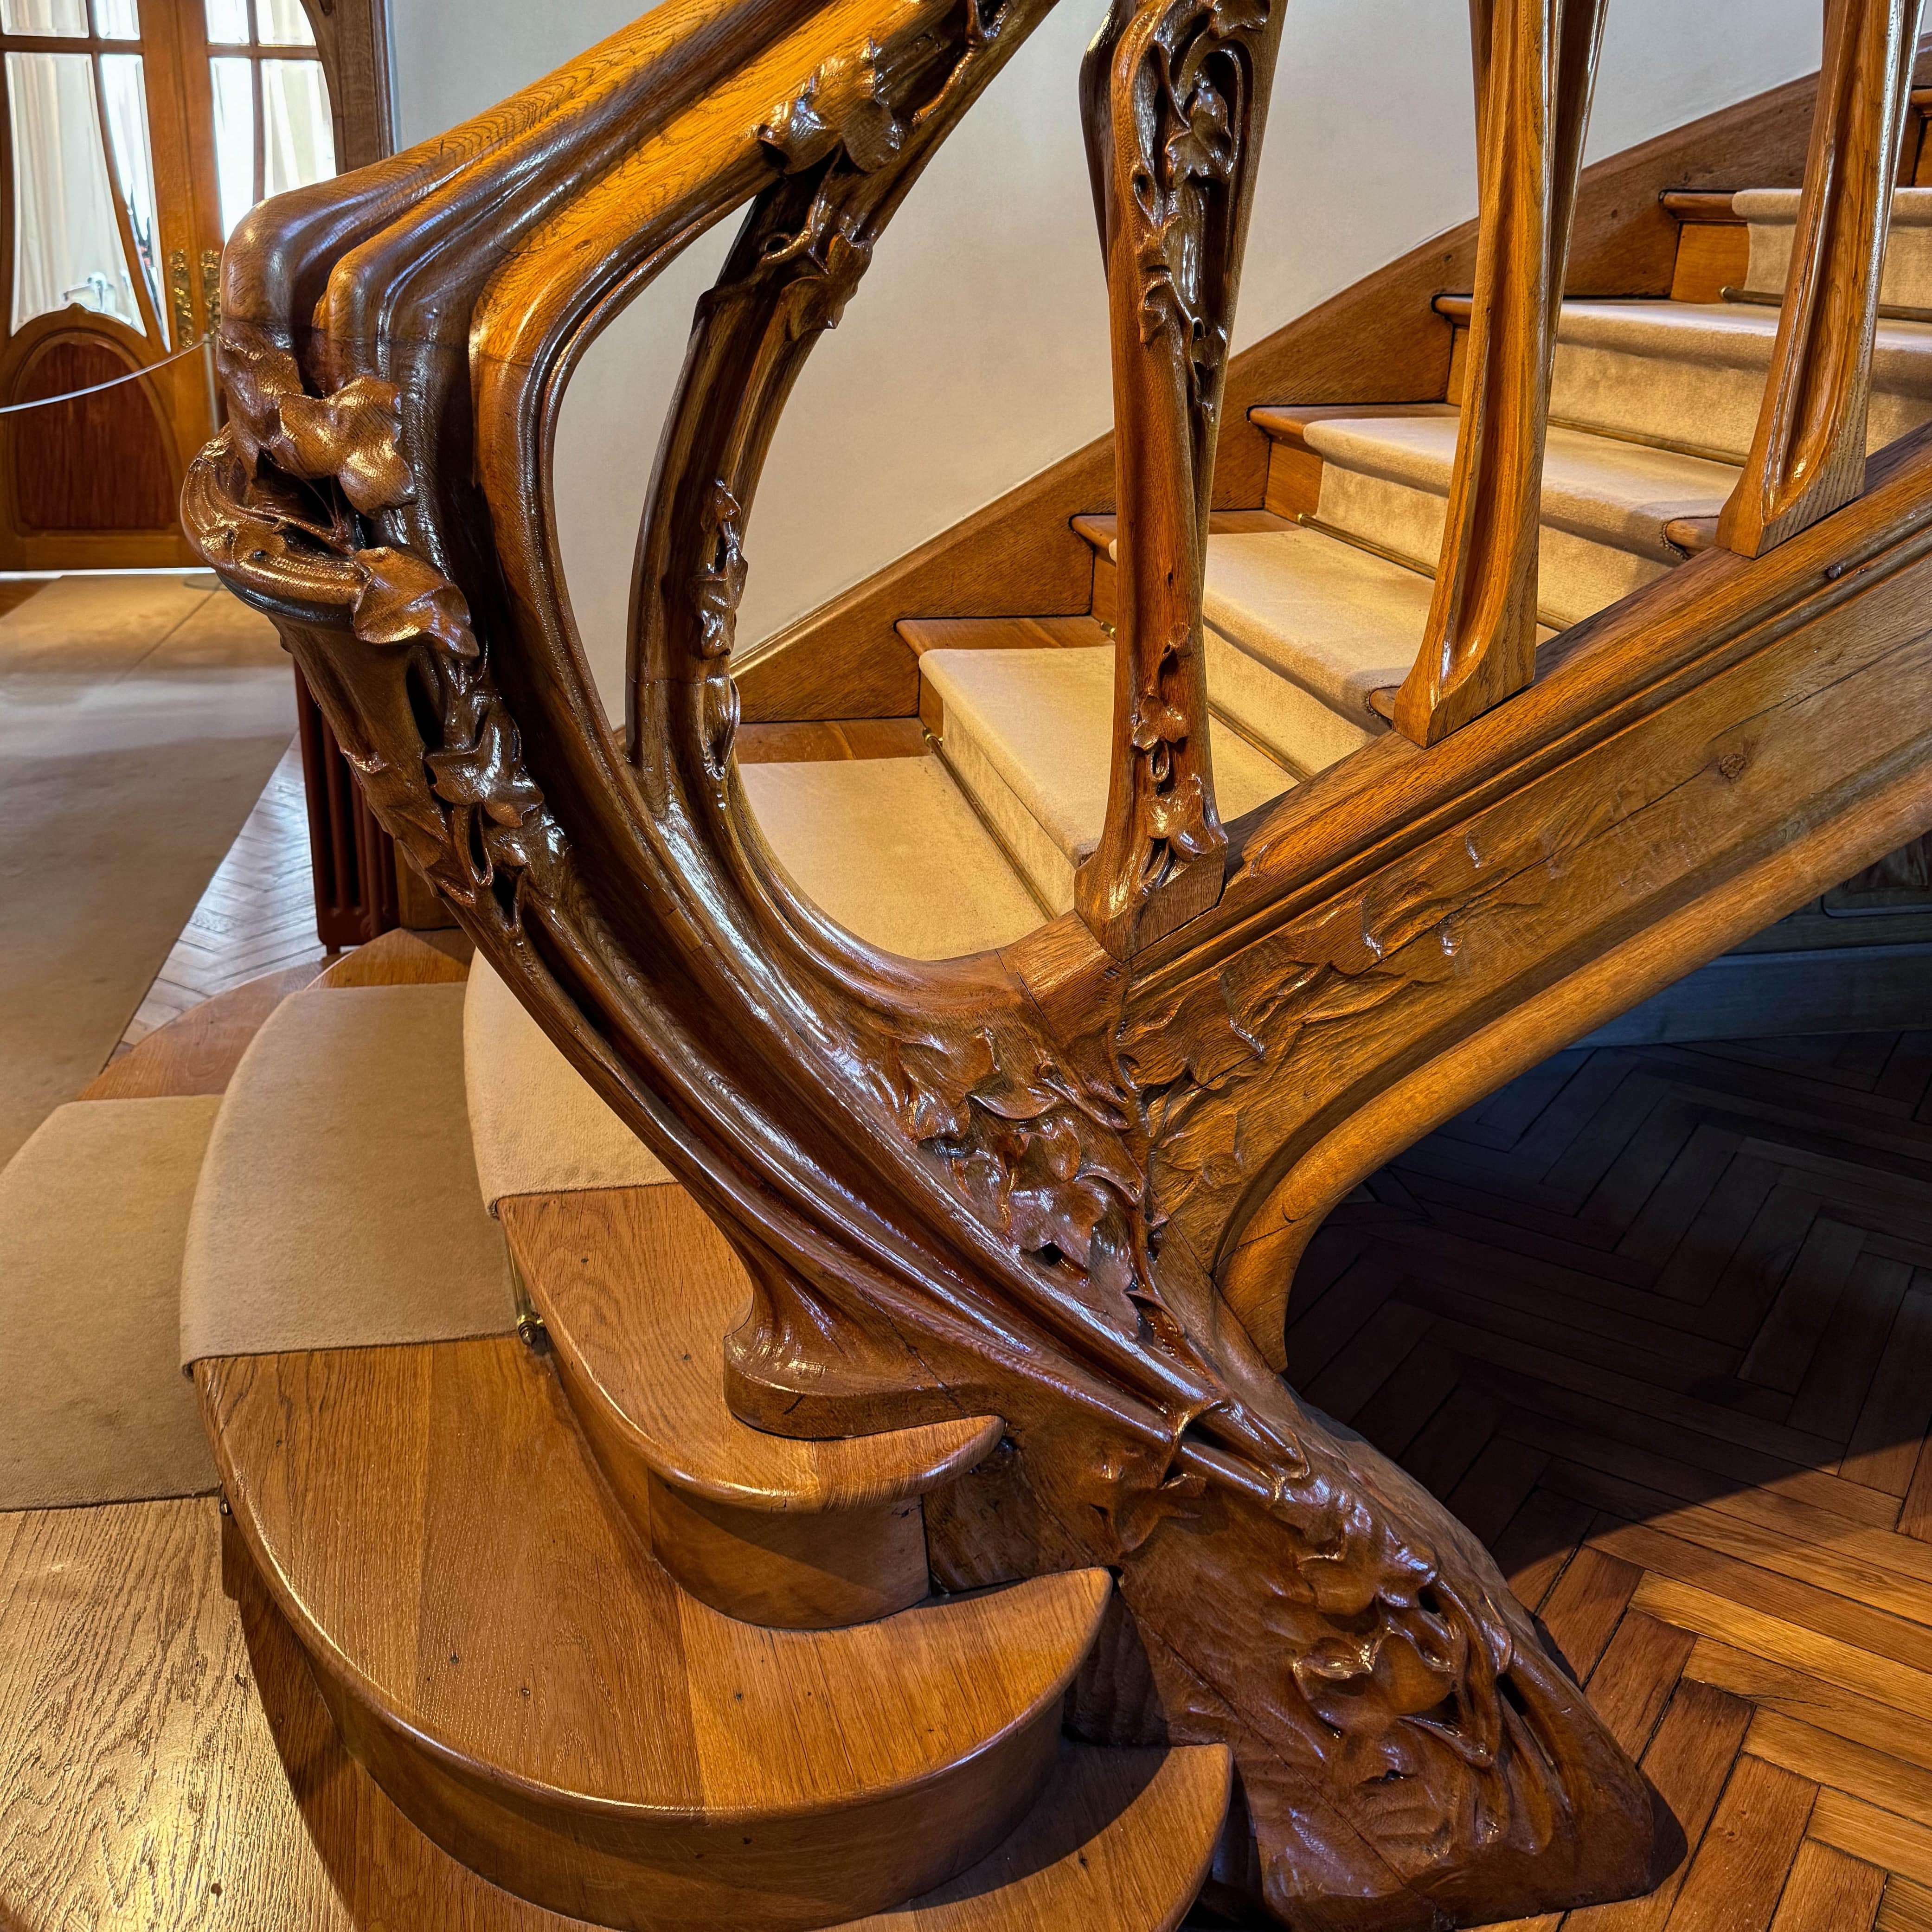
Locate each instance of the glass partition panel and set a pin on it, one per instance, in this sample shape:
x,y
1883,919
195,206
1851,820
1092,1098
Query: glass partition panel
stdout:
x,y
67,239
66,18
123,89
298,137
117,19
233,78
282,23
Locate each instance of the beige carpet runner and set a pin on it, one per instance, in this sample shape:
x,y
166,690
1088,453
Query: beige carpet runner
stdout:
x,y
139,718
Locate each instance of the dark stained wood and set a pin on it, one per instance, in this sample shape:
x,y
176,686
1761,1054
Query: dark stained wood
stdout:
x,y
1808,457
1174,96
1045,1186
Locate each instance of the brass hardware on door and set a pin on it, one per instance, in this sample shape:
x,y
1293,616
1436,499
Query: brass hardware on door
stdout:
x,y
211,288
184,297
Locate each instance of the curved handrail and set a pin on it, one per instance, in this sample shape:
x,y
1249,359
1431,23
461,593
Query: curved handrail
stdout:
x,y
1019,1184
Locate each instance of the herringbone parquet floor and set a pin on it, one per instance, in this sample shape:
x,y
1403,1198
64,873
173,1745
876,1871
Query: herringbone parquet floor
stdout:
x,y
1657,1324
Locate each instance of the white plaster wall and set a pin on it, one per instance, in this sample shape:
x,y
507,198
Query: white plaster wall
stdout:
x,y
975,354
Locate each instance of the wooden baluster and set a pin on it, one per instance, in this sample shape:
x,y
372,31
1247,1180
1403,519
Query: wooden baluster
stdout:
x,y
1536,64
1808,457
1173,94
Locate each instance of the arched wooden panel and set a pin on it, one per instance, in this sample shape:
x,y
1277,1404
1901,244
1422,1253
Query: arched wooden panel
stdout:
x,y
100,462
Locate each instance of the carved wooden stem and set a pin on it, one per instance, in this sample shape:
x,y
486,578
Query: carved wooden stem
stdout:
x,y
1808,457
1536,64
1174,93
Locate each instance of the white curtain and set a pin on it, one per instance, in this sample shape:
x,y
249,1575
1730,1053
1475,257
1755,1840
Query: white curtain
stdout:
x,y
66,242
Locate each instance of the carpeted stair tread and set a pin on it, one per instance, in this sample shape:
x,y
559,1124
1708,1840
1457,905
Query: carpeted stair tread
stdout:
x,y
638,1291
540,1697
890,849
1771,215
339,1205
1385,482
93,1215
1121,1841
536,1125
1691,376
1028,733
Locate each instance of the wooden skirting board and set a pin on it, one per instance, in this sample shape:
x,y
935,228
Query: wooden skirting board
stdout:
x,y
1377,341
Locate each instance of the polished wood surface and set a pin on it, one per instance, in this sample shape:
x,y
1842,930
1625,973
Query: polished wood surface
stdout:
x,y
1536,69
1174,96
498,1648
1808,456
836,740
638,1291
1066,1186
1374,341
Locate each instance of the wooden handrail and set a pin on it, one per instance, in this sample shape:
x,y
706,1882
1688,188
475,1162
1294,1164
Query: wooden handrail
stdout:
x,y
1053,1184
1536,65
1174,94
1808,457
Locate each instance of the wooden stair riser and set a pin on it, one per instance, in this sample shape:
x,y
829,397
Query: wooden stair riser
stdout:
x,y
831,1536
761,1875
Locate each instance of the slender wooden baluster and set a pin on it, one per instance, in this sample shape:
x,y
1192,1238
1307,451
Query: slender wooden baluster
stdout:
x,y
1808,456
1174,93
1536,65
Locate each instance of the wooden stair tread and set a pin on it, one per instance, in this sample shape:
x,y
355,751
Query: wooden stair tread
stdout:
x,y
637,1287
1288,422
999,634
1121,1840
397,1497
1100,528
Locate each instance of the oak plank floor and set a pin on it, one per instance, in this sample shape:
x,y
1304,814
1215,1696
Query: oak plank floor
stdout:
x,y
1657,1323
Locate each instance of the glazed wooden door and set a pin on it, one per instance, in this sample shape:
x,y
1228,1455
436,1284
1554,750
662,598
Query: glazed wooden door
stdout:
x,y
138,133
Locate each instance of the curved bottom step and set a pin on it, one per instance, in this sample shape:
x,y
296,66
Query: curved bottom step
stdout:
x,y
1121,1842
498,1648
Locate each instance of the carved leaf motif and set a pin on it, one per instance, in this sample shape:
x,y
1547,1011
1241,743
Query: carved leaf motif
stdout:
x,y
1202,147
403,598
488,773
351,436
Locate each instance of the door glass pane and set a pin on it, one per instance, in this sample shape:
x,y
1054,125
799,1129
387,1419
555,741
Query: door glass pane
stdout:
x,y
282,23
66,242
116,20
64,17
299,134
228,23
124,87
234,138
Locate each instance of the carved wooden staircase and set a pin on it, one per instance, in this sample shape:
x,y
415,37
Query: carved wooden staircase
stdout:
x,y
940,1401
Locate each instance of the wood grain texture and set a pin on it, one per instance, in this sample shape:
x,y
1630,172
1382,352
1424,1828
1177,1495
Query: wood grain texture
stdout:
x,y
638,1291
400,958
1807,456
1536,70
540,1698
1015,1186
199,1052
1377,341
836,740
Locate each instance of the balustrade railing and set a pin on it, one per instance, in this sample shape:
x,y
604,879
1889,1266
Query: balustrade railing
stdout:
x,y
1808,457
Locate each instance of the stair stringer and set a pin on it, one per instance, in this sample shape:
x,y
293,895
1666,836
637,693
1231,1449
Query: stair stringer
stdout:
x,y
1407,934
960,1190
